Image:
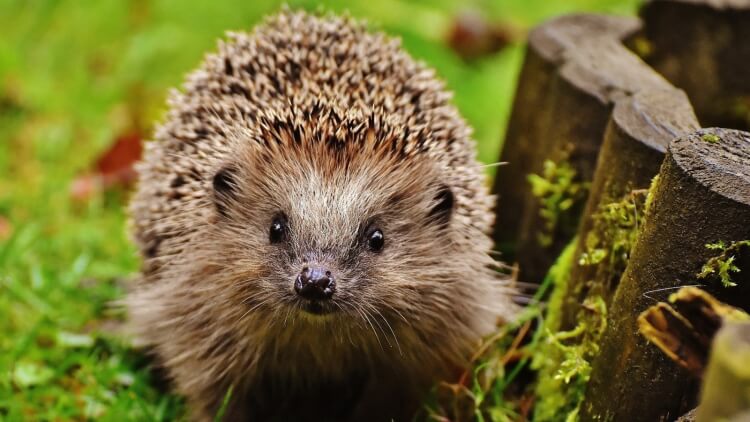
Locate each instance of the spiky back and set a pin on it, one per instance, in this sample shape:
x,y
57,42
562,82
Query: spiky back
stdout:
x,y
298,78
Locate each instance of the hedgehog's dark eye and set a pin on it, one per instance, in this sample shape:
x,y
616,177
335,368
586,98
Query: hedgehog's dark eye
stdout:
x,y
375,240
278,230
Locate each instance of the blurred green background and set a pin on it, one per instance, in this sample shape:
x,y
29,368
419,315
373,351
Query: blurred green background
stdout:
x,y
77,75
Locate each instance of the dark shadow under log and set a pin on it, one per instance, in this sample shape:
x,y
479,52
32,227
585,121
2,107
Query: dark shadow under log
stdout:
x,y
575,68
635,142
702,197
703,47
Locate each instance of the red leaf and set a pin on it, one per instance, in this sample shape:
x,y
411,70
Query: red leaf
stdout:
x,y
113,169
115,166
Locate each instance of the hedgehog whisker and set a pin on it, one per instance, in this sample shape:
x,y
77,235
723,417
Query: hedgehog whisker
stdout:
x,y
369,308
256,306
497,164
524,284
389,306
393,333
363,314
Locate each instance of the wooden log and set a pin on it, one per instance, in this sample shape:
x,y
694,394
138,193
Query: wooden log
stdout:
x,y
703,47
575,68
726,389
702,197
635,142
544,54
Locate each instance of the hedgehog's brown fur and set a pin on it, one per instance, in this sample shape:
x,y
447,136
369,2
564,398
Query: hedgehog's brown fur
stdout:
x,y
336,127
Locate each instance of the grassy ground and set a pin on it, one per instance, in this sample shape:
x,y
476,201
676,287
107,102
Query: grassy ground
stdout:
x,y
74,75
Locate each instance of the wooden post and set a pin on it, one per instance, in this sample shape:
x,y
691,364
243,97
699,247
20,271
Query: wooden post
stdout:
x,y
702,197
703,47
726,388
575,68
546,50
634,145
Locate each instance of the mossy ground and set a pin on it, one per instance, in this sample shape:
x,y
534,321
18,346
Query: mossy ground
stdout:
x,y
73,76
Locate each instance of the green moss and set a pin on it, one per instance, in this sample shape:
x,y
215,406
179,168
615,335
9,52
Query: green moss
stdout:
x,y
642,46
723,264
564,364
557,191
650,195
614,232
558,276
563,358
711,138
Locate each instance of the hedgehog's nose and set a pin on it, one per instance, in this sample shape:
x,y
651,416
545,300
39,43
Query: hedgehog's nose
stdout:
x,y
315,284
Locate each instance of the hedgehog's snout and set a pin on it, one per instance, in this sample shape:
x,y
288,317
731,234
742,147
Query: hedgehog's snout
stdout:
x,y
315,283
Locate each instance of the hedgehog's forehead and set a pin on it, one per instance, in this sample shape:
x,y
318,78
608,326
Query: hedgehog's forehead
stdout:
x,y
317,180
342,172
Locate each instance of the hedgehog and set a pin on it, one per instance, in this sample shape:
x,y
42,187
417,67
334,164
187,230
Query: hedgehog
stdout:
x,y
313,224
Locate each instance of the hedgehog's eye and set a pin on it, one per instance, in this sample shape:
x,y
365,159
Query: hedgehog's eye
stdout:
x,y
375,240
278,230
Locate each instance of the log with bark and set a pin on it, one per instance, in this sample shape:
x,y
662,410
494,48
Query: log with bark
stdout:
x,y
694,233
635,142
703,47
576,67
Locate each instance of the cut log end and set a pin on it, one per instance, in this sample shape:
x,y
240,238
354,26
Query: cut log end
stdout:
x,y
719,159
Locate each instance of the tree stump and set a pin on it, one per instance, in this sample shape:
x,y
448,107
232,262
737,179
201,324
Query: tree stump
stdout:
x,y
575,69
703,47
635,142
702,198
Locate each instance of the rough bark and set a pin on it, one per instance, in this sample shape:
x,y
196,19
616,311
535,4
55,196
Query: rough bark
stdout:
x,y
635,142
703,47
702,197
575,68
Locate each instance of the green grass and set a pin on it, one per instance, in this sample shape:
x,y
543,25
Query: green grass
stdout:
x,y
75,74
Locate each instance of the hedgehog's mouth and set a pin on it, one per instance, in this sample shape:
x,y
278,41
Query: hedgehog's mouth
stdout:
x,y
315,307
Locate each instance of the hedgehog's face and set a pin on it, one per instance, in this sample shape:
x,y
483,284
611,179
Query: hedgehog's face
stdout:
x,y
320,233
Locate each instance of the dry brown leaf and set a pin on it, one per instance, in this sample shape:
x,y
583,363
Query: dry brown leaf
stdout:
x,y
684,328
113,169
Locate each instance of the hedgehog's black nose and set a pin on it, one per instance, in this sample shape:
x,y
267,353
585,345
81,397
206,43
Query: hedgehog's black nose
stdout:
x,y
315,284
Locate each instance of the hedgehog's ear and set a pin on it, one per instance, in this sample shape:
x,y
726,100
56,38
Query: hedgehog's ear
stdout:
x,y
443,205
225,188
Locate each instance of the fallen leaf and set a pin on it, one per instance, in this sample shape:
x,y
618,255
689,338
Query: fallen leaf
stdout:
x,y
114,168
684,328
6,229
116,164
